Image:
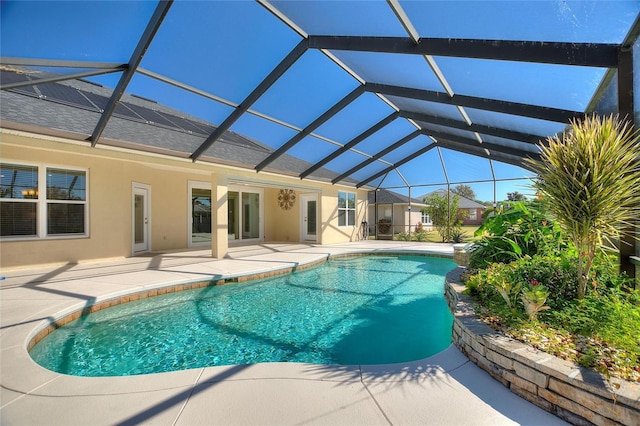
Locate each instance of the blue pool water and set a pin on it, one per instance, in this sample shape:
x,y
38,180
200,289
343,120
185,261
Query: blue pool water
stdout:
x,y
356,310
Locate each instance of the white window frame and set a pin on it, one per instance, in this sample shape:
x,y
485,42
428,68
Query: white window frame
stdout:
x,y
42,202
425,218
347,209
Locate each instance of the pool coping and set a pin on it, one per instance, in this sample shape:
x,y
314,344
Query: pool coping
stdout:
x,y
28,389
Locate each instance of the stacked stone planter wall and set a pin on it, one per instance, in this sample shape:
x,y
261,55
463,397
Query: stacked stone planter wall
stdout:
x,y
577,395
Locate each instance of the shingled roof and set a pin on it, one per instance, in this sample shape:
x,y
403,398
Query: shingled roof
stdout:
x,y
383,196
71,109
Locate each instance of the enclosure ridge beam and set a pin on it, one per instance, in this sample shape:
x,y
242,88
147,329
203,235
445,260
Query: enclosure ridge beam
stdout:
x,y
505,107
141,48
398,164
461,125
473,150
355,93
244,106
603,55
377,156
478,151
493,147
353,142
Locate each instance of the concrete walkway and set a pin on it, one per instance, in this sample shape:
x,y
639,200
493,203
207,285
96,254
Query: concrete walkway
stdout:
x,y
443,389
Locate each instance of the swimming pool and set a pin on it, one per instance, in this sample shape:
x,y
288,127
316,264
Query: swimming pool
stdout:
x,y
350,310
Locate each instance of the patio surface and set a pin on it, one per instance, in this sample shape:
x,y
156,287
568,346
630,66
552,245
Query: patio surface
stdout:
x,y
443,389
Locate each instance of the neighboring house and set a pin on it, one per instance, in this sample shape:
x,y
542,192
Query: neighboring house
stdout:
x,y
472,209
394,213
63,200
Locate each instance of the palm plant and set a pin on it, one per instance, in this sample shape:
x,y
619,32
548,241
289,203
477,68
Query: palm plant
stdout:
x,y
590,178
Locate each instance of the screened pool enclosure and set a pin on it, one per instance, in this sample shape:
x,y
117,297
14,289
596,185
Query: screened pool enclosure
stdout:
x,y
406,96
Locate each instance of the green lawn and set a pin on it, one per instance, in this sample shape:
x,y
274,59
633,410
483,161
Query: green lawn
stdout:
x,y
434,237
469,231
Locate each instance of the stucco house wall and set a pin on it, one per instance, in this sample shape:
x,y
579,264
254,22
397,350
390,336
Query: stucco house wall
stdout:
x,y
111,173
330,232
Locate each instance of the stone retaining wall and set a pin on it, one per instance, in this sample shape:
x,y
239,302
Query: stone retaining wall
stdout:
x,y
577,395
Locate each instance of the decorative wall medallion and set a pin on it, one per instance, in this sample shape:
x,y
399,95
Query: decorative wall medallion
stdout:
x,y
286,198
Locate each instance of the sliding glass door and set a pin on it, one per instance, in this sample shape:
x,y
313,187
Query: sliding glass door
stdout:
x,y
200,219
245,213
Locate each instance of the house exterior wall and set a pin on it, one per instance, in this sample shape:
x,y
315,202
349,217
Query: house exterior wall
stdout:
x,y
331,232
110,176
400,218
280,224
403,219
416,216
468,220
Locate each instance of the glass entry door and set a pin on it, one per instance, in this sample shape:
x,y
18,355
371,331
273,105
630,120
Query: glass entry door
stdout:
x,y
244,216
140,201
309,217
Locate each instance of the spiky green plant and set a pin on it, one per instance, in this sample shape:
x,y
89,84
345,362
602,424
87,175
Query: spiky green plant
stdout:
x,y
534,296
590,178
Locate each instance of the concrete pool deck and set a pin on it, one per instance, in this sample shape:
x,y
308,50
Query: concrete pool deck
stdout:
x,y
443,389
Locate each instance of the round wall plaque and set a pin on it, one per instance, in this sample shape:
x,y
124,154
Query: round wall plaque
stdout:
x,y
286,198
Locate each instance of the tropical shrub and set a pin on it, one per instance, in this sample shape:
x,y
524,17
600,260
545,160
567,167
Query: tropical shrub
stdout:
x,y
457,235
534,296
403,236
556,272
534,299
599,331
419,234
523,230
501,279
488,212
590,180
553,275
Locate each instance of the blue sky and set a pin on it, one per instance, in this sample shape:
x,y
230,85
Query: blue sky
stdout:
x,y
226,48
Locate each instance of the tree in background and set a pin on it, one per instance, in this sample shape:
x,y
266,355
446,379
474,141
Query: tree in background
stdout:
x,y
464,191
515,196
444,214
